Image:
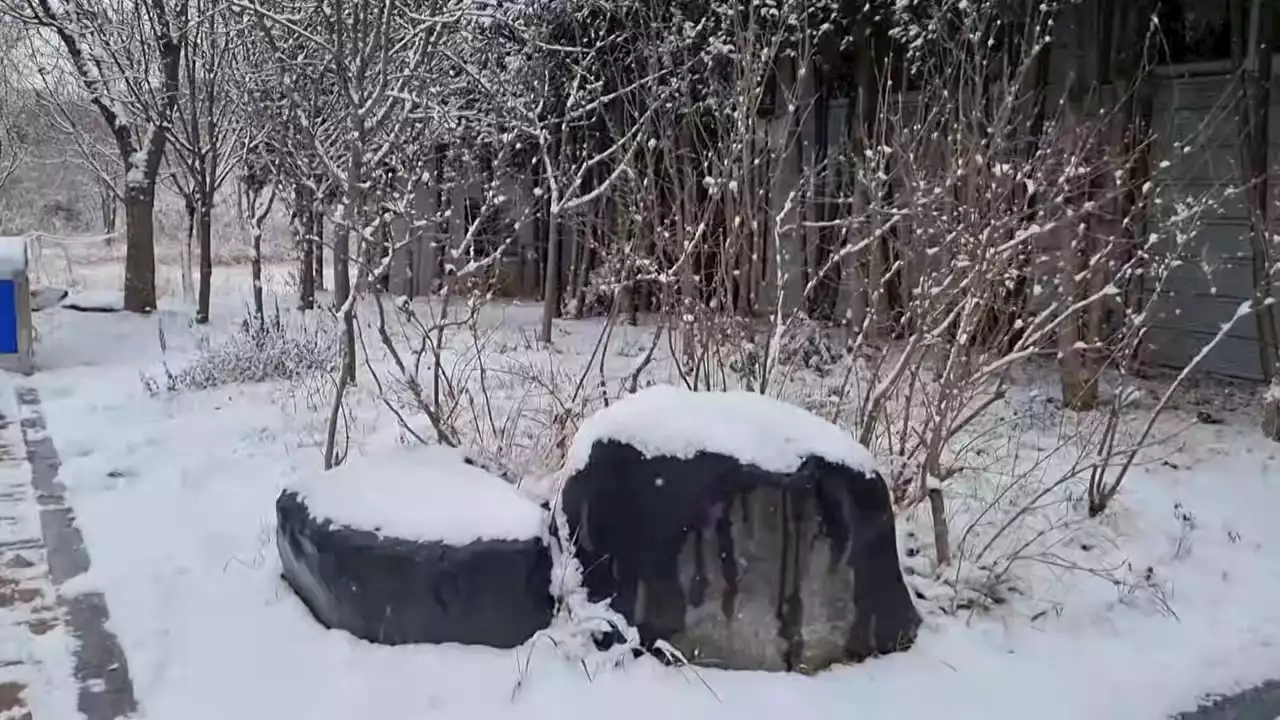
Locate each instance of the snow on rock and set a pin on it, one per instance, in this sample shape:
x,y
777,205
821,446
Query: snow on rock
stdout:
x,y
83,584
425,494
665,420
13,255
96,301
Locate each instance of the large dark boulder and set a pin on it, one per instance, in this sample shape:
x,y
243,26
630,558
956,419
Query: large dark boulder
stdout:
x,y
788,567
387,552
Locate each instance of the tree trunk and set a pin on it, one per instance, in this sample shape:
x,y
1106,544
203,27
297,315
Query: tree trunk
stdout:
x,y
140,249
581,277
107,201
188,250
1253,51
1079,387
684,199
302,224
430,202
317,215
204,238
551,289
530,233
529,258
259,308
258,210
307,277
851,297
342,262
941,532
787,198
765,253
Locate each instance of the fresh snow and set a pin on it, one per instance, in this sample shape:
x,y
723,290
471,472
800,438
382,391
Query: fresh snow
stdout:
x,y
13,256
175,497
425,494
95,300
665,420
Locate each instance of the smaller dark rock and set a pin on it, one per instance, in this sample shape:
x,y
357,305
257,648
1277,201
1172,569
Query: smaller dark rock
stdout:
x,y
396,577
393,591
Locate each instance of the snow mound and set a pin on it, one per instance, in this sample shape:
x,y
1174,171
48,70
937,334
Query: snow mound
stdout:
x,y
43,298
422,494
13,256
95,301
665,420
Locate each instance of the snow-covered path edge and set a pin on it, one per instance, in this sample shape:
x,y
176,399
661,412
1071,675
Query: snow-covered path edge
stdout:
x,y
100,670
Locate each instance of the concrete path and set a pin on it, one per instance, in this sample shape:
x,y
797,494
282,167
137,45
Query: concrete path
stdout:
x,y
58,555
28,601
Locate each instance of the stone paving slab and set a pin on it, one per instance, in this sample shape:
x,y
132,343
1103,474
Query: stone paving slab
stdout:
x,y
44,533
28,606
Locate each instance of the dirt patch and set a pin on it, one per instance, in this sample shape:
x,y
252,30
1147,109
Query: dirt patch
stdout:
x,y
12,704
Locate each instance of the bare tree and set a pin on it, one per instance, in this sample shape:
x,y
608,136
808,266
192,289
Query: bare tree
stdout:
x,y
257,197
383,64
127,55
585,142
278,123
13,102
205,128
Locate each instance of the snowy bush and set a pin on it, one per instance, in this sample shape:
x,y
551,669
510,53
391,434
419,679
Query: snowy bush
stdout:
x,y
275,348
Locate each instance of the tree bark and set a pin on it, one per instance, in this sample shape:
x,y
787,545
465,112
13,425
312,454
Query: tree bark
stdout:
x,y
107,201
342,259
786,200
1079,386
581,277
317,215
941,532
307,281
529,258
188,250
1253,53
552,269
140,249
851,297
204,238
255,265
551,289
258,210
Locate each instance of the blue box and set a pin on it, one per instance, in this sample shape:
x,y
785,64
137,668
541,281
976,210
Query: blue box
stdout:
x,y
8,317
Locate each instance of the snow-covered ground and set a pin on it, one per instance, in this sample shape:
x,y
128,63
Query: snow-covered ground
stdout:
x,y
1174,594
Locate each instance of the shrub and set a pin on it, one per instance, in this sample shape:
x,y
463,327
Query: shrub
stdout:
x,y
275,348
